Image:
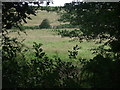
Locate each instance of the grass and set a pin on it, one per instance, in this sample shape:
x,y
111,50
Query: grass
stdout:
x,y
55,45
41,15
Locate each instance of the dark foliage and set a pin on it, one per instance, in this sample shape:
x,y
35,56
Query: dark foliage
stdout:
x,y
101,69
65,26
67,33
73,53
45,24
13,13
29,27
18,10
98,20
39,72
50,8
94,18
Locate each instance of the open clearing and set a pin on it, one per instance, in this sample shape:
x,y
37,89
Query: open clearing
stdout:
x,y
55,45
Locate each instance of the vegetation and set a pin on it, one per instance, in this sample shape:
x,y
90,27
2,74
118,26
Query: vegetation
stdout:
x,y
69,33
65,26
99,20
25,73
96,21
51,9
45,24
54,44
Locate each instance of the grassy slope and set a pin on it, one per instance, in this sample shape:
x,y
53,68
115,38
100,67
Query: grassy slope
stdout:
x,y
41,15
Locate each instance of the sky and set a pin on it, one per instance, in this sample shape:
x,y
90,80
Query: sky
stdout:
x,y
59,2
62,2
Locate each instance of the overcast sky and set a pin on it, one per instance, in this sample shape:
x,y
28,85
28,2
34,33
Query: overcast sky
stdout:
x,y
60,2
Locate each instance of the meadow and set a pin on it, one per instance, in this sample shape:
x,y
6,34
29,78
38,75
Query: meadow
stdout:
x,y
53,44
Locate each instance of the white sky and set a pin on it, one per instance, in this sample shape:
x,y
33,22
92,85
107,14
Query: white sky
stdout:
x,y
62,2
59,2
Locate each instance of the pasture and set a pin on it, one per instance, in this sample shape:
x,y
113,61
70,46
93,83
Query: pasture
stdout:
x,y
53,44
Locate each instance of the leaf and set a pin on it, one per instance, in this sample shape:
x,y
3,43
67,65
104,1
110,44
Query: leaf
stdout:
x,y
24,20
29,18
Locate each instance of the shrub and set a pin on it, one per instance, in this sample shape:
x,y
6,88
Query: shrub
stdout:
x,y
67,33
66,26
45,24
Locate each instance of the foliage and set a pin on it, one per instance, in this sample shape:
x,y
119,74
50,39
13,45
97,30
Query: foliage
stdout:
x,y
67,33
50,8
65,26
101,71
73,54
10,65
45,24
18,10
52,73
30,27
54,27
98,20
13,13
39,72
94,18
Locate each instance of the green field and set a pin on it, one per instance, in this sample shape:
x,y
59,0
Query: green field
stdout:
x,y
53,44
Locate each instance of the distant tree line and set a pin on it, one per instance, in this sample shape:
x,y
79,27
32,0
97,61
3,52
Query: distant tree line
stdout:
x,y
50,8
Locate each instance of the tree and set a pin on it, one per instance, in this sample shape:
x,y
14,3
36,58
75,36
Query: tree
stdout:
x,y
96,19
45,24
99,20
13,13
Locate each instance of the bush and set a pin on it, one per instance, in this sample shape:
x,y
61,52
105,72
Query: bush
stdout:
x,y
30,27
45,24
67,33
37,72
66,26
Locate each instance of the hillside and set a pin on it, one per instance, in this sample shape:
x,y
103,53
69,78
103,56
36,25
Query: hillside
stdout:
x,y
41,15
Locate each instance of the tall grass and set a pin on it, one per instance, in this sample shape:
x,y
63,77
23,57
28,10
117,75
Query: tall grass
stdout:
x,y
55,45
